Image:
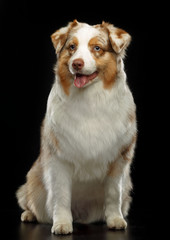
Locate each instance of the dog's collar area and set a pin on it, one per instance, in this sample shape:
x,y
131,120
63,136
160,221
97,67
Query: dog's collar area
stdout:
x,y
81,80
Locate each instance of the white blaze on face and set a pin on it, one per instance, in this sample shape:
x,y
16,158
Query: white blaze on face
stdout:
x,y
83,35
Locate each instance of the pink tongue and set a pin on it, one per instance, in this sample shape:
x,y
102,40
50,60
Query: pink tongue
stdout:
x,y
81,80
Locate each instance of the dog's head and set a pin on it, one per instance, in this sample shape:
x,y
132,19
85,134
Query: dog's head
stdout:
x,y
88,53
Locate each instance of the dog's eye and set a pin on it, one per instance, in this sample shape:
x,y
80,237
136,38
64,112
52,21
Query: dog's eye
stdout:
x,y
97,48
72,47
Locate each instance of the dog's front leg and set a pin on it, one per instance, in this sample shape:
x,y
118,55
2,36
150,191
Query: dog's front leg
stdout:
x,y
113,198
59,197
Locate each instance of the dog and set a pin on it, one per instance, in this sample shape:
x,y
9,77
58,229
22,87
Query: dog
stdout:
x,y
88,135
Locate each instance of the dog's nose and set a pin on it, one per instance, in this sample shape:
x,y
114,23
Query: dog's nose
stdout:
x,y
78,64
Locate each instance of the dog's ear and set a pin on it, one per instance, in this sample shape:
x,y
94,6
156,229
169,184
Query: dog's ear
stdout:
x,y
60,36
119,39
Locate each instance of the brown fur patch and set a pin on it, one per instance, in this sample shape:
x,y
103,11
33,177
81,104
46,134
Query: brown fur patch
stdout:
x,y
105,61
109,74
34,185
74,23
96,42
105,25
35,190
107,69
114,169
126,151
73,41
119,32
132,116
63,72
65,53
111,169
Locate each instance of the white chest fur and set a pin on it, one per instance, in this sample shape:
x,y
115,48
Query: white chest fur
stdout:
x,y
90,126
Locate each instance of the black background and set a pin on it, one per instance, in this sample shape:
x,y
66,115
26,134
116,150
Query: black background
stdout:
x,y
26,76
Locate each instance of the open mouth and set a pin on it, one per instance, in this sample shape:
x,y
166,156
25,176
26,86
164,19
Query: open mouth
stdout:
x,y
81,80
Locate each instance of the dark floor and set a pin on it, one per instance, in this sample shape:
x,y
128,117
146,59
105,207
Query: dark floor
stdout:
x,y
139,228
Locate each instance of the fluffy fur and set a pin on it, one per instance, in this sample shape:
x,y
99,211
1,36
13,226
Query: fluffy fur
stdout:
x,y
88,134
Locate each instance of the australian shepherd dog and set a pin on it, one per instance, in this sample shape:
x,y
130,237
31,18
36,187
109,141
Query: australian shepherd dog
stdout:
x,y
88,135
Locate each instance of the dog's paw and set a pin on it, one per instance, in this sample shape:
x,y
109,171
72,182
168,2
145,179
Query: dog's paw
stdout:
x,y
117,223
62,228
28,216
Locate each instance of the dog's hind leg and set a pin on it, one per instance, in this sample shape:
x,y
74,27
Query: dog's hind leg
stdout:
x,y
32,196
28,216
